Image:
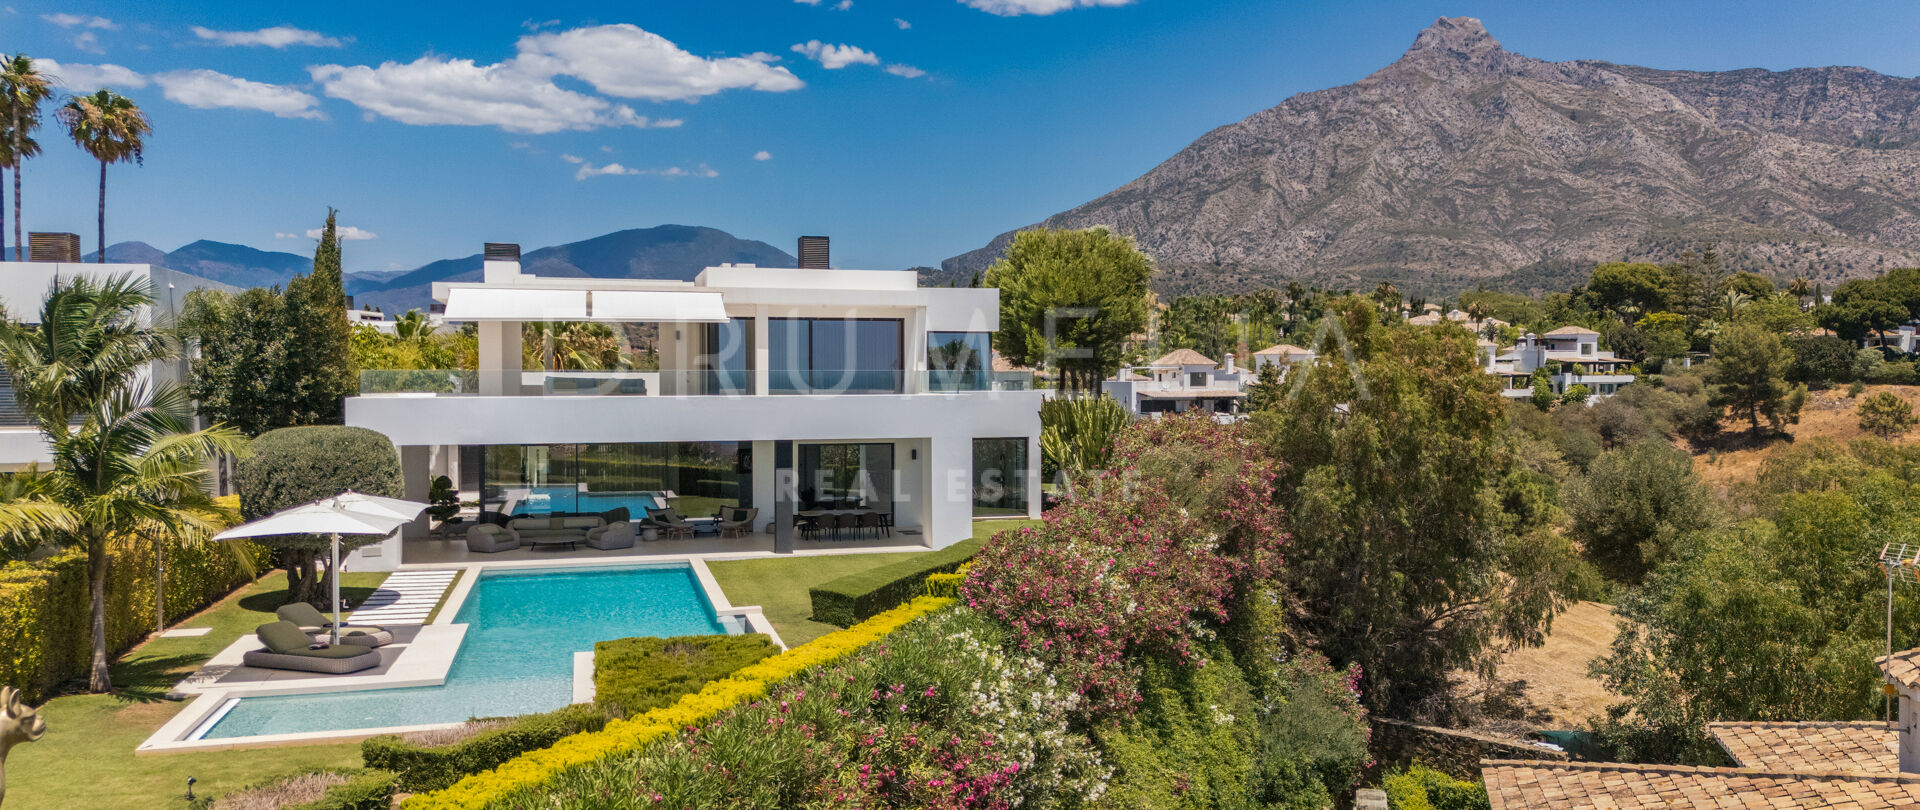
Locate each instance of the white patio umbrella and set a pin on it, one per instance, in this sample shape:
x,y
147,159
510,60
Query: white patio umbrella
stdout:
x,y
346,513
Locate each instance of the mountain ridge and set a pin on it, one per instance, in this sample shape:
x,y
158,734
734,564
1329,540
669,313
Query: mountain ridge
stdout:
x,y
1463,163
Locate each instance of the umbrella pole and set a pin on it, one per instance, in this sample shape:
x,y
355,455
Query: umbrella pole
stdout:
x,y
334,568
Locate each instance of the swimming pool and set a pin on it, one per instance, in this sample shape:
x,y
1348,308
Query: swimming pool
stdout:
x,y
523,628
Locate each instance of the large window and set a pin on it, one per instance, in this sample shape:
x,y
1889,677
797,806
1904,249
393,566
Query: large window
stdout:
x,y
550,479
728,365
846,476
999,477
834,356
960,361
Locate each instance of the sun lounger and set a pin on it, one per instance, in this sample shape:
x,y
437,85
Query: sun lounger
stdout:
x,y
318,625
285,646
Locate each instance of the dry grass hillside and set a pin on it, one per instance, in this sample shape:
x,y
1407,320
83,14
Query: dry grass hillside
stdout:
x,y
1827,414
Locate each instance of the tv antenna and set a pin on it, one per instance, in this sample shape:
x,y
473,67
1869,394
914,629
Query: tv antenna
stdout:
x,y
1901,562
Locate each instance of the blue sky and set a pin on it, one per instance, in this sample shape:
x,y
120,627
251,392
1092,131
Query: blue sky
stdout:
x,y
953,120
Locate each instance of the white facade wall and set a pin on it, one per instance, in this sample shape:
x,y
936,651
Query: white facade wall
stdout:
x,y
24,286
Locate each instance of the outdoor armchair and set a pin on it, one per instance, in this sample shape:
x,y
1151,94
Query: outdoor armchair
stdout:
x,y
488,537
736,522
619,534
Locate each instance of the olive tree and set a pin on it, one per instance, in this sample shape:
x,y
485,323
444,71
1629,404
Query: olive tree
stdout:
x,y
292,466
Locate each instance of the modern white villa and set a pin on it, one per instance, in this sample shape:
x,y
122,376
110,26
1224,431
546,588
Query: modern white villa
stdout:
x,y
1179,381
810,395
23,285
1575,349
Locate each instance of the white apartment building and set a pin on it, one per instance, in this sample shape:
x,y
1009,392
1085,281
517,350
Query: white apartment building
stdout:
x,y
1575,349
24,286
787,390
1179,381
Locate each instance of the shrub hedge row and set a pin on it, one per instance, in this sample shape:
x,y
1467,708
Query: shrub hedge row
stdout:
x,y
45,635
535,768
422,768
633,675
859,596
367,790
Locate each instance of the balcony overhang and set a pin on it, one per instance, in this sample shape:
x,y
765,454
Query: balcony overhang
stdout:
x,y
532,304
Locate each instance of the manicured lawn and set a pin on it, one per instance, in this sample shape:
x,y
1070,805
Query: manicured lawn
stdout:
x,y
86,758
779,586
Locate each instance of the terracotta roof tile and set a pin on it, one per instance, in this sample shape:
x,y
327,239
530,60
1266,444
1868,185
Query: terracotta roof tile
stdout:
x,y
1525,785
1570,331
1902,668
1855,747
1281,349
1183,357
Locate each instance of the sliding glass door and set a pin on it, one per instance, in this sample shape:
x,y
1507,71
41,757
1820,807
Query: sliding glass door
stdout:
x,y
837,356
702,477
846,476
999,477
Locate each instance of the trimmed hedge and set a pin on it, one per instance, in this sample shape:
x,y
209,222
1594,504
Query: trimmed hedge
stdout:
x,y
367,790
1423,788
45,637
633,675
857,597
423,768
535,768
948,585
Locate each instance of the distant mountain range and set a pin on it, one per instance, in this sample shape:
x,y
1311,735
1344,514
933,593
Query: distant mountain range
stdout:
x,y
1463,163
677,252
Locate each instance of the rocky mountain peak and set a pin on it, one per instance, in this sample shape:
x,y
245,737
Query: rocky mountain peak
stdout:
x,y
1453,45
1461,35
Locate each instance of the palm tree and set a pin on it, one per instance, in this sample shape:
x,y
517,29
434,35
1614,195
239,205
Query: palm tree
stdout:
x,y
22,88
1801,288
1732,302
126,463
413,326
112,129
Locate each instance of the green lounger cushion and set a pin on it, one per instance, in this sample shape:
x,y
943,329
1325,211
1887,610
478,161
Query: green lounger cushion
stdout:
x,y
306,615
286,638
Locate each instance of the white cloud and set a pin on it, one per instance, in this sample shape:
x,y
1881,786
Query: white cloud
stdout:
x,y
843,5
519,94
835,57
88,42
763,155
906,71
346,233
573,158
277,37
88,78
904,25
80,21
532,25
206,90
630,62
589,170
1015,8
432,90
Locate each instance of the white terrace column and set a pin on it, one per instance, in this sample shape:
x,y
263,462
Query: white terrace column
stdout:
x,y
499,358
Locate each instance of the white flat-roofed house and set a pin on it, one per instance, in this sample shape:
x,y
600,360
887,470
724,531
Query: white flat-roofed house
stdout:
x,y
793,391
1577,352
24,286
1179,381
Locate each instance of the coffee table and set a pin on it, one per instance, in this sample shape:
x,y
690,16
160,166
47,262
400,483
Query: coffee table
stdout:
x,y
704,526
557,540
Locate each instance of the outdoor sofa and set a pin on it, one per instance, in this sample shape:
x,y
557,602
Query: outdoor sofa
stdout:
x,y
314,623
491,537
285,646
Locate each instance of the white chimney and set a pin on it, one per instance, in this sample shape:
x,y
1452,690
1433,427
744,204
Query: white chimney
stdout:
x,y
1229,364
500,263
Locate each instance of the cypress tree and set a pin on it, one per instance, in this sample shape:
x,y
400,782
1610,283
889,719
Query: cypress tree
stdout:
x,y
321,373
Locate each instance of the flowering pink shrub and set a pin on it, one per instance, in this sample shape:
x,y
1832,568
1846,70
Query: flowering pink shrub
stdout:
x,y
1143,561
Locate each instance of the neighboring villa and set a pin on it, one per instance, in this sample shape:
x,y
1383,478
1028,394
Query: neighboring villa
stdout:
x,y
1476,326
783,390
1576,350
1865,765
1179,381
1282,355
24,285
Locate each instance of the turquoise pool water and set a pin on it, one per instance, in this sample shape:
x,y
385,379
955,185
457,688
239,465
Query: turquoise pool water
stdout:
x,y
523,628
